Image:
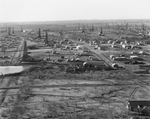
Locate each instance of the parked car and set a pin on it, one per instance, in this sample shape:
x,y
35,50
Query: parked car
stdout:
x,y
85,54
121,59
112,56
116,66
136,58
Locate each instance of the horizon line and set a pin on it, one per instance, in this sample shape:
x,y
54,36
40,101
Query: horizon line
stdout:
x,y
67,20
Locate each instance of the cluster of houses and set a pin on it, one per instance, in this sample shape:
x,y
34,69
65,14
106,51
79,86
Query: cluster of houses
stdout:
x,y
117,44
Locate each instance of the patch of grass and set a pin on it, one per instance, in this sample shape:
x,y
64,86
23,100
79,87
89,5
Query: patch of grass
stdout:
x,y
19,109
51,73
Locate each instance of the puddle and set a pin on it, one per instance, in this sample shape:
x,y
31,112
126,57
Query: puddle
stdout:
x,y
5,70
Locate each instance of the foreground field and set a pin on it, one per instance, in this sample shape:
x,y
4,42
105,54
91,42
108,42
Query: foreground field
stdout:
x,y
51,93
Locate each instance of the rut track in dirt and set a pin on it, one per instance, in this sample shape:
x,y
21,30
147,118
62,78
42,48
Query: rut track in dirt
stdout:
x,y
69,85
5,83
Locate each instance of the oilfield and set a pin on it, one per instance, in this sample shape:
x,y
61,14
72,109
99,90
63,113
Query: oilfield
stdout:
x,y
75,70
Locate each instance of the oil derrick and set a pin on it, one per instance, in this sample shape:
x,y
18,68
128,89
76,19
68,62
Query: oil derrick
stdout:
x,y
101,32
3,49
108,26
6,29
79,27
13,31
39,33
21,29
92,29
83,29
143,27
118,26
144,31
46,37
9,31
25,51
127,25
60,36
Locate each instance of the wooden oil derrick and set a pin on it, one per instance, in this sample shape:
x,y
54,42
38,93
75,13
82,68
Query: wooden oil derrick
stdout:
x,y
127,25
92,29
60,36
83,29
21,29
118,26
79,27
3,48
39,33
13,31
9,31
46,37
143,27
108,26
25,51
101,32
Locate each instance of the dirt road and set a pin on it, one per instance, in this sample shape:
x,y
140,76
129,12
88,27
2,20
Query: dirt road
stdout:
x,y
20,52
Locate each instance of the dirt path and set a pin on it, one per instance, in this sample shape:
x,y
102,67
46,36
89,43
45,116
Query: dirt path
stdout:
x,y
18,55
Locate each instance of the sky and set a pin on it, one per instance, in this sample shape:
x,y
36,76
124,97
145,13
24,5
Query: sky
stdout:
x,y
54,10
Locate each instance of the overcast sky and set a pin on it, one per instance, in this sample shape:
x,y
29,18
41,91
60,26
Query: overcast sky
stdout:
x,y
51,10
